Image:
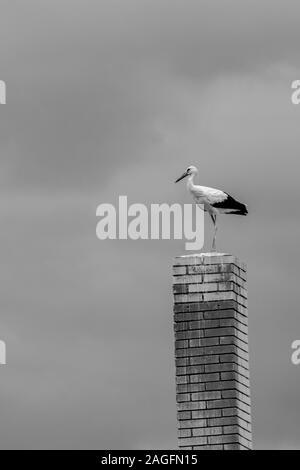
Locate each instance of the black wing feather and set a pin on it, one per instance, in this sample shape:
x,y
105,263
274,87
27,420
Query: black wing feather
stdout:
x,y
231,204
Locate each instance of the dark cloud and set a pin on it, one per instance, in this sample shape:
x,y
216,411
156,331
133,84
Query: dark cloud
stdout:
x,y
117,97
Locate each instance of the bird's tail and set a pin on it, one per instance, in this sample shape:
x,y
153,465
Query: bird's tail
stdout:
x,y
242,210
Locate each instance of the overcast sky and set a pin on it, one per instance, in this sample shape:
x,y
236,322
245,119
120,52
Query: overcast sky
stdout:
x,y
117,97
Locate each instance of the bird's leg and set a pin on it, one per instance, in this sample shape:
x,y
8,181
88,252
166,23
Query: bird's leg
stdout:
x,y
215,234
214,219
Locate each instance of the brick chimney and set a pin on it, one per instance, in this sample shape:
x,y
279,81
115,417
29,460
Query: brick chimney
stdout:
x,y
211,351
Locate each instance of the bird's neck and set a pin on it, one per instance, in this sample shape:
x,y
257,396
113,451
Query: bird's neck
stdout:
x,y
190,182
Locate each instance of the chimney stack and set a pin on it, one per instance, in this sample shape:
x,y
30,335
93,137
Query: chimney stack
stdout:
x,y
211,352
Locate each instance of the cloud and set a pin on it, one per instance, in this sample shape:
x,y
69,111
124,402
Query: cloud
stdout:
x,y
108,98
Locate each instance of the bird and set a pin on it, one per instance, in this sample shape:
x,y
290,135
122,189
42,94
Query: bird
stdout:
x,y
214,201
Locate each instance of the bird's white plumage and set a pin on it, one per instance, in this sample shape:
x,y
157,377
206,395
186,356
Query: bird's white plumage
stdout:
x,y
206,195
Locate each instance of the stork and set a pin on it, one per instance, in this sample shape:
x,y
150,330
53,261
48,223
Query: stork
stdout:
x,y
214,201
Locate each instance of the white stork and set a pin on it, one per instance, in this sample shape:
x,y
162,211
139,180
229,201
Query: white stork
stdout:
x,y
214,201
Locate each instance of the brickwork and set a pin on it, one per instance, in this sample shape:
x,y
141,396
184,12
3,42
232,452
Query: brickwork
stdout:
x,y
211,350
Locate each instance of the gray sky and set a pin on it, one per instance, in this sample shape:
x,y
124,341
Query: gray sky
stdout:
x,y
118,97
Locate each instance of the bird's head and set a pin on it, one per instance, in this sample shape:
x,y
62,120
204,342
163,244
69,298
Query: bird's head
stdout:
x,y
191,170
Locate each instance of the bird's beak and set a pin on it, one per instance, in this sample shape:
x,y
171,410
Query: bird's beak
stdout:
x,y
181,177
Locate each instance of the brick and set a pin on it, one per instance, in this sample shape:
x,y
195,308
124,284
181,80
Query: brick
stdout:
x,y
217,277
206,414
221,403
224,313
230,384
183,397
184,414
205,377
191,387
205,359
190,441
209,447
195,325
196,405
184,298
211,287
189,334
198,369
203,259
206,431
188,279
192,423
230,438
227,421
180,289
232,446
181,344
181,380
179,270
188,316
204,324
199,342
184,432
209,296
210,269
189,352
220,367
228,331
213,395
180,326
219,350
228,375
223,286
